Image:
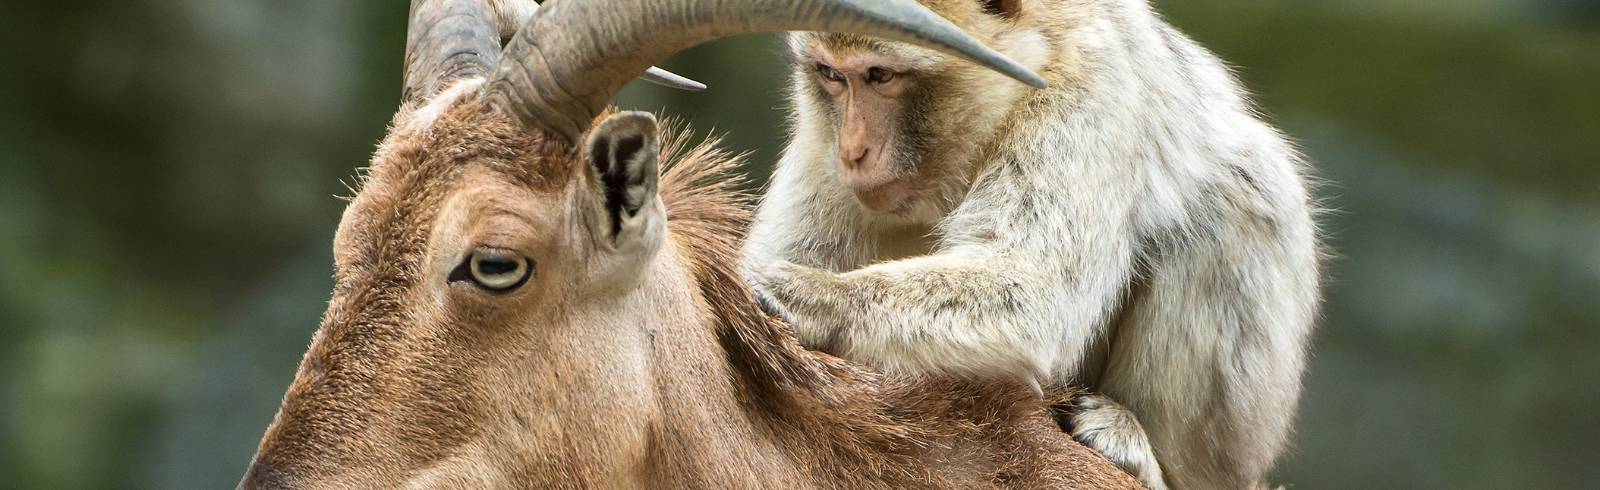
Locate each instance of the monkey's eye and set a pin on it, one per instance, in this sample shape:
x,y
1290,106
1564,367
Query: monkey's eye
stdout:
x,y
880,75
494,270
830,74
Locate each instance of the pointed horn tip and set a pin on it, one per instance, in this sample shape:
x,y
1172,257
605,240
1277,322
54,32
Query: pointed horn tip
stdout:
x,y
933,29
1030,78
669,79
689,86
1009,67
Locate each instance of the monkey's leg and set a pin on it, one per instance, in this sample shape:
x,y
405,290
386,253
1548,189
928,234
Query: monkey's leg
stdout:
x,y
1106,426
1210,353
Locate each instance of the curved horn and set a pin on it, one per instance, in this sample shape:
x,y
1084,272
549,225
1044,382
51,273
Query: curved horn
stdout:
x,y
446,40
572,57
514,13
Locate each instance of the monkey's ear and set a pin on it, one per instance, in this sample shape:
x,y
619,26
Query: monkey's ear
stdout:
x,y
621,154
1009,9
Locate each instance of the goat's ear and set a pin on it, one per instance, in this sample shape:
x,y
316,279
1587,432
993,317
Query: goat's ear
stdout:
x,y
621,154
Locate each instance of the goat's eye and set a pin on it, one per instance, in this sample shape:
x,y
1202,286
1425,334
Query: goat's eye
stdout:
x,y
495,270
830,74
880,75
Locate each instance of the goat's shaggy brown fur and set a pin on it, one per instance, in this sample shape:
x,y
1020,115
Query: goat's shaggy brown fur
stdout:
x,y
411,380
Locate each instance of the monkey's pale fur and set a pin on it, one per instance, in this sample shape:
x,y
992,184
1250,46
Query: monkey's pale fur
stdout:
x,y
1135,228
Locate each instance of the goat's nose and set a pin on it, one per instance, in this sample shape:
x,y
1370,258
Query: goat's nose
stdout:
x,y
262,475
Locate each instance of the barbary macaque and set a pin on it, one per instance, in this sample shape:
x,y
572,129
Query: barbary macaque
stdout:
x,y
1135,228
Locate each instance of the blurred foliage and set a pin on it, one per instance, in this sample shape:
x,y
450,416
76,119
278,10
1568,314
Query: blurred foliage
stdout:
x,y
168,171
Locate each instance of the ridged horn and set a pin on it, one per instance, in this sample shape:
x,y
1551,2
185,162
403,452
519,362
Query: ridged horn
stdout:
x,y
514,13
568,61
447,40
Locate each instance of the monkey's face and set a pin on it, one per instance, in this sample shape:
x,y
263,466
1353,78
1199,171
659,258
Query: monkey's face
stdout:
x,y
878,98
902,126
876,153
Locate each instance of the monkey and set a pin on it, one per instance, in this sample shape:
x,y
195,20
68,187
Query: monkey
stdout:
x,y
1136,228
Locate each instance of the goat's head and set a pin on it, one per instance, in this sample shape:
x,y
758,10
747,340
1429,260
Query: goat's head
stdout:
x,y
500,274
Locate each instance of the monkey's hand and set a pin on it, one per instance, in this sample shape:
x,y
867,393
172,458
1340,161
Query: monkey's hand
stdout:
x,y
942,313
771,280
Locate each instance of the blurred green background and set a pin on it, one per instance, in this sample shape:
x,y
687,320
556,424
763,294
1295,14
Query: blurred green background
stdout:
x,y
168,171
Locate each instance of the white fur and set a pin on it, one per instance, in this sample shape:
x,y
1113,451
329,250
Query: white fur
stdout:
x,y
1135,228
423,117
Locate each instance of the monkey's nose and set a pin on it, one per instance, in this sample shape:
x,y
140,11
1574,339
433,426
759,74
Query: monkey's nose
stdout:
x,y
854,156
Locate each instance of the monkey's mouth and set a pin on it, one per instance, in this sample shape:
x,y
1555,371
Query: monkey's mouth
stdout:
x,y
886,197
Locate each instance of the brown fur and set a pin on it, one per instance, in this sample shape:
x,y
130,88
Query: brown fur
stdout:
x,y
508,392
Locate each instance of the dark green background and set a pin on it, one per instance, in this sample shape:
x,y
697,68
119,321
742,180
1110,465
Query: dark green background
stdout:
x,y
168,171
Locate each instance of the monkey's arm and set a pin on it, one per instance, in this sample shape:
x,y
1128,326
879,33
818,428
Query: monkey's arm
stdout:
x,y
971,311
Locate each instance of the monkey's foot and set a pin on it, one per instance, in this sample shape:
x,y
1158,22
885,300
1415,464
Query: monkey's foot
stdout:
x,y
1106,426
